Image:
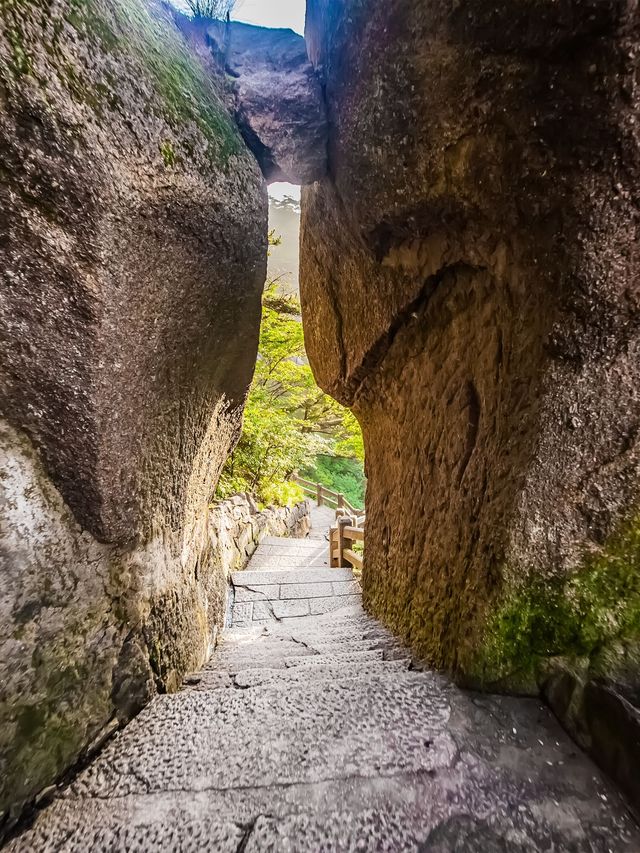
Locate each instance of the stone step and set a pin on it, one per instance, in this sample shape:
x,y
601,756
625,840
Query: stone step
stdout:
x,y
260,562
290,733
231,650
290,550
350,616
337,658
279,657
291,658
250,578
289,554
285,542
405,812
228,651
343,612
331,646
128,825
285,564
331,670
286,592
253,673
280,609
303,632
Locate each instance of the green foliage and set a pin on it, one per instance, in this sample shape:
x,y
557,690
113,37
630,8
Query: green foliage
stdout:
x,y
282,494
288,422
341,474
168,154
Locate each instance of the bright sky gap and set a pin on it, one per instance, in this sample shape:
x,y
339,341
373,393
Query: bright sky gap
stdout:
x,y
277,13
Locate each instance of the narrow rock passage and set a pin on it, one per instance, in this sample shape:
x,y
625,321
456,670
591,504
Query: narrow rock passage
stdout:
x,y
312,732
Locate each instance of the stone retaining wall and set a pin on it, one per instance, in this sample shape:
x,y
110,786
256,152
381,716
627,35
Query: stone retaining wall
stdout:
x,y
237,526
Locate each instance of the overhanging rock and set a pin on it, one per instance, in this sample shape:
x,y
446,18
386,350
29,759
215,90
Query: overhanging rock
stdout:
x,y
279,102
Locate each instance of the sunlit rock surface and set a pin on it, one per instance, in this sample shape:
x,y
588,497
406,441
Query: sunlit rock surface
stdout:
x,y
469,286
132,255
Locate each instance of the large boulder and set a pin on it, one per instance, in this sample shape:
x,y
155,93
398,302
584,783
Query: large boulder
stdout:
x,y
132,252
469,287
277,94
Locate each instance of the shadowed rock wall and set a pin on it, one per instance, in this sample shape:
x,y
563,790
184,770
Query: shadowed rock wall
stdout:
x,y
275,92
132,252
470,287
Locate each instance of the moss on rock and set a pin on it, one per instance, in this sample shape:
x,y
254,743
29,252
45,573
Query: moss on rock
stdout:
x,y
133,32
574,616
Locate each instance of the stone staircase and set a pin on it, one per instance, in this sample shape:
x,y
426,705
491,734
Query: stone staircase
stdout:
x,y
290,578
311,730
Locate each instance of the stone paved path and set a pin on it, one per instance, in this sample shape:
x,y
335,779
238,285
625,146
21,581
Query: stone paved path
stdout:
x,y
310,731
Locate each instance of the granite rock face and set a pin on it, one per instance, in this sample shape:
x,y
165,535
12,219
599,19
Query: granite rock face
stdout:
x,y
469,287
132,254
278,98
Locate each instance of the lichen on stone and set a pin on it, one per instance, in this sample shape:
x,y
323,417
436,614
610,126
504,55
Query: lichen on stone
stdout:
x,y
131,32
573,616
22,62
168,153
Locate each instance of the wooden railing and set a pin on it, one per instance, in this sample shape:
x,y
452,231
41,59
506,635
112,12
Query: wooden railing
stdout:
x,y
342,538
324,496
349,528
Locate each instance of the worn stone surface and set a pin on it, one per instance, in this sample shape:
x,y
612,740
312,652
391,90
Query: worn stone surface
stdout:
x,y
251,578
296,559
469,287
237,529
117,221
328,750
277,94
306,590
288,579
132,255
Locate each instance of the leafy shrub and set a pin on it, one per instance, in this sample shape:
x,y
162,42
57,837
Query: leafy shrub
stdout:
x,y
288,421
282,494
340,474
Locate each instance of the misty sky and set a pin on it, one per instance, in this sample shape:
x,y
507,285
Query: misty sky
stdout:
x,y
280,191
272,13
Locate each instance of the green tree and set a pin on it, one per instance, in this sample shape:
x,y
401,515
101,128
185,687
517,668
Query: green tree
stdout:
x,y
339,473
289,422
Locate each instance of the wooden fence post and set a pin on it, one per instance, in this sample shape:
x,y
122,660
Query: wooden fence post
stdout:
x,y
333,544
340,501
343,521
319,494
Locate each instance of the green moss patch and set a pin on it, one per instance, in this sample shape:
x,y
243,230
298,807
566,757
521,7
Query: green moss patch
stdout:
x,y
185,89
575,616
168,154
139,37
22,61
